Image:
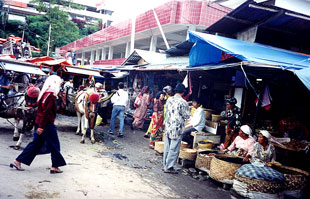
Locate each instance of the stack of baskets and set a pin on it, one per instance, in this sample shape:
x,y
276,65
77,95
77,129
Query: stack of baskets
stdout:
x,y
208,113
203,160
223,167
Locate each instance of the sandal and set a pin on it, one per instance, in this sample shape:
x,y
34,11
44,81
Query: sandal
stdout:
x,y
55,171
18,168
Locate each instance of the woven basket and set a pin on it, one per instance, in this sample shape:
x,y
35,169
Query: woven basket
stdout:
x,y
295,179
224,167
159,147
183,145
203,161
262,186
216,118
188,154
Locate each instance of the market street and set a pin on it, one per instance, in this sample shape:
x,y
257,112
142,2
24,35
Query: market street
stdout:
x,y
117,168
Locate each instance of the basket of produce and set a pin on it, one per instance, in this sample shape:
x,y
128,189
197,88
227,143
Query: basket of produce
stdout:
x,y
208,113
295,179
204,158
205,144
258,182
159,147
223,167
188,154
216,118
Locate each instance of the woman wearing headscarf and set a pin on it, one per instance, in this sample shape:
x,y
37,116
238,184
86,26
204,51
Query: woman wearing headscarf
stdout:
x,y
263,151
157,119
45,129
243,144
141,110
232,114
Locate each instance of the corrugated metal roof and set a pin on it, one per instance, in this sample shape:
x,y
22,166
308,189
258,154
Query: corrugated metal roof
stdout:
x,y
266,16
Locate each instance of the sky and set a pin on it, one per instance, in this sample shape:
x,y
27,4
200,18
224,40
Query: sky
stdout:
x,y
124,9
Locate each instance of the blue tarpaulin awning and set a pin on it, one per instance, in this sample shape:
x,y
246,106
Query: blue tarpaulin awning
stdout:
x,y
208,49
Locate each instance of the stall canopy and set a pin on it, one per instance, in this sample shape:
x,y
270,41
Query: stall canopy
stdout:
x,y
18,66
82,71
210,49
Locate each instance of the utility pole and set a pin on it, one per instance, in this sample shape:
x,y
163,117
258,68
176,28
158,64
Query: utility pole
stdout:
x,y
161,30
49,39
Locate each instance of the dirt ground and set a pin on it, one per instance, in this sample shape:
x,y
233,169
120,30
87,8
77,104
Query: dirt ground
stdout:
x,y
113,168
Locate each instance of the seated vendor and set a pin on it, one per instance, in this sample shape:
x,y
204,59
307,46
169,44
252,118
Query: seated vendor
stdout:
x,y
243,144
196,122
263,151
233,116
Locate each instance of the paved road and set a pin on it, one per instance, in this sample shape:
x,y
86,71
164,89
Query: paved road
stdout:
x,y
116,168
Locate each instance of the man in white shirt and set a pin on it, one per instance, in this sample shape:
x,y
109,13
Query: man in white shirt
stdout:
x,y
196,123
119,101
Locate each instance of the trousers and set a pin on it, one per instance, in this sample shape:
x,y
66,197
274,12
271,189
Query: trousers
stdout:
x,y
50,137
171,151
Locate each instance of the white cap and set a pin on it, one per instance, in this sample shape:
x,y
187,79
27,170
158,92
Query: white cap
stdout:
x,y
246,129
265,133
98,85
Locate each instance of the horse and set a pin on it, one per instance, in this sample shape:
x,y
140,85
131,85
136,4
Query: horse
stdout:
x,y
86,105
19,106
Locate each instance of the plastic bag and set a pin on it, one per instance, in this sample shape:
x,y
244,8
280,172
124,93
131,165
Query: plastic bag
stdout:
x,y
98,120
137,101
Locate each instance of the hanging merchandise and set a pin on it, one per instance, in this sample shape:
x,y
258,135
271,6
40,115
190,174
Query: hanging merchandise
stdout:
x,y
266,102
187,82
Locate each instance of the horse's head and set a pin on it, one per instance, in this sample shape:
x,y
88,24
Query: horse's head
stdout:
x,y
92,106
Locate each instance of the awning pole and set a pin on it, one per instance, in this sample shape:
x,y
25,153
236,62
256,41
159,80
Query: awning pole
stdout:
x,y
161,30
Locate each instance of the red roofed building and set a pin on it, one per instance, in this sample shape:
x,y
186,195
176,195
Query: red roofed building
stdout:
x,y
111,46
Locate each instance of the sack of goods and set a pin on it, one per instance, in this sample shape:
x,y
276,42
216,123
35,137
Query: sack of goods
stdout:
x,y
258,182
137,101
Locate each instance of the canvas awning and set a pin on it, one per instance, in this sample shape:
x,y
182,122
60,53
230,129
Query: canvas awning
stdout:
x,y
82,71
20,67
209,49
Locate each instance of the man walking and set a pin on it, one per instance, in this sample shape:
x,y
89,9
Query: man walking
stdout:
x,y
119,101
176,112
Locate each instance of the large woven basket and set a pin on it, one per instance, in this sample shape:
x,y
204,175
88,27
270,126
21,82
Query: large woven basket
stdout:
x,y
188,154
159,147
203,160
223,167
295,179
262,186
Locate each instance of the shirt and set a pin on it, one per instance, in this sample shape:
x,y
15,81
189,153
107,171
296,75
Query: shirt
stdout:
x,y
234,118
158,105
176,112
199,119
260,154
240,143
46,113
120,98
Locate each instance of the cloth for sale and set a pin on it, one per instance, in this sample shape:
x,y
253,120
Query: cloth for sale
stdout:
x,y
260,173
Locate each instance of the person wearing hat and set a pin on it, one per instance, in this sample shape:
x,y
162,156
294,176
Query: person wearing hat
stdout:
x,y
119,101
168,91
243,144
263,151
176,112
196,122
232,114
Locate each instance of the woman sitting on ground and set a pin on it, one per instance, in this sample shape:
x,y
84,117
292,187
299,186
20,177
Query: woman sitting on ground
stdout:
x,y
263,151
243,144
157,119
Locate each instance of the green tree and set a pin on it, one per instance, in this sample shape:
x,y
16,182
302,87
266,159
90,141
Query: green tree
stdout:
x,y
63,31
